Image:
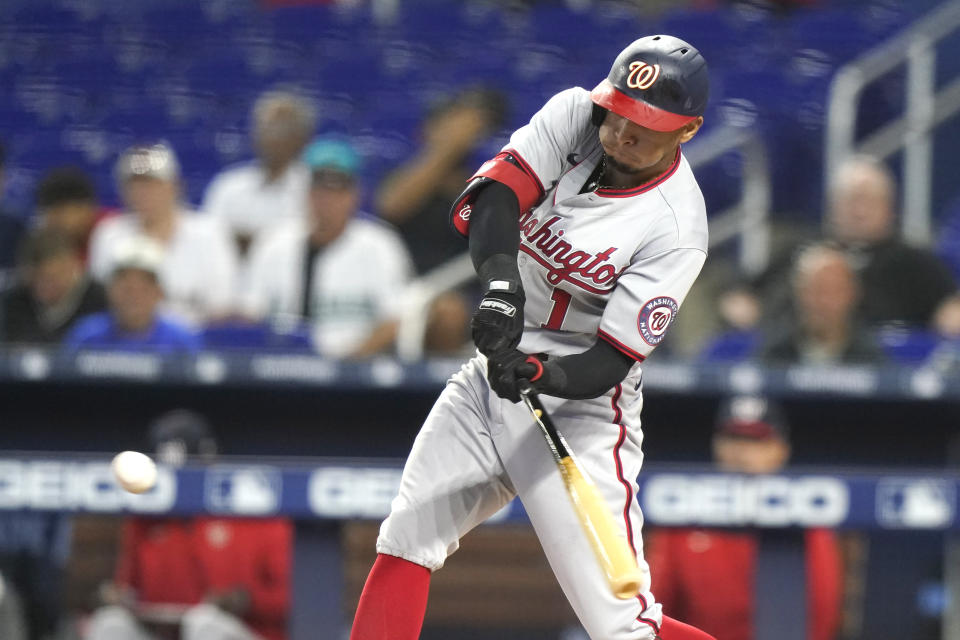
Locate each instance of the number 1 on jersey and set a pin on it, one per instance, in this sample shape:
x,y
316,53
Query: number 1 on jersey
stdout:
x,y
561,301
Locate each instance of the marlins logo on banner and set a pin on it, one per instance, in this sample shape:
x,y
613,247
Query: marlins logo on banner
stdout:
x,y
655,316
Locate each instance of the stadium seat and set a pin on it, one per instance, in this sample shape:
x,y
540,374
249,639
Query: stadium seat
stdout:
x,y
259,336
840,33
154,67
908,346
733,346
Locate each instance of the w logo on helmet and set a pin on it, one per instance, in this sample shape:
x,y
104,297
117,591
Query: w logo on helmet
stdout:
x,y
642,75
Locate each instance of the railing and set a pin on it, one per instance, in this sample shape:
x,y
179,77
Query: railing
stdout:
x,y
926,108
748,220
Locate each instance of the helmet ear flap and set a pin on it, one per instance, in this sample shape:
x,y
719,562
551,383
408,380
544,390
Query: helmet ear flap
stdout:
x,y
598,115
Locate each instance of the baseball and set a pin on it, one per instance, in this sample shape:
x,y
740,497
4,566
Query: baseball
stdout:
x,y
134,471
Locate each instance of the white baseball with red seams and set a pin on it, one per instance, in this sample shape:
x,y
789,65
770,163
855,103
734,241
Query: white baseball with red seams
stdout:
x,y
606,264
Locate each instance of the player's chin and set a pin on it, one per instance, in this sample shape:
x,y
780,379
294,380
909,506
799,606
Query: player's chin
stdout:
x,y
628,164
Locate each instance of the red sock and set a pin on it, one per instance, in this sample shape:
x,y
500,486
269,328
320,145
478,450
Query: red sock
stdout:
x,y
672,629
393,602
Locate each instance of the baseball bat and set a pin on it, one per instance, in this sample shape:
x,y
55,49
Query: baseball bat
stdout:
x,y
609,545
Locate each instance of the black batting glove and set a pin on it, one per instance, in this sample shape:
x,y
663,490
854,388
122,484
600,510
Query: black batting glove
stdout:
x,y
508,370
497,324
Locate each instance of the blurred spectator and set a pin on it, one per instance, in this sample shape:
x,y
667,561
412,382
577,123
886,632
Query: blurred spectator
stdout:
x,y
12,625
900,284
706,576
254,197
11,228
227,576
825,329
199,263
417,196
342,271
52,293
739,312
739,307
134,321
34,548
67,200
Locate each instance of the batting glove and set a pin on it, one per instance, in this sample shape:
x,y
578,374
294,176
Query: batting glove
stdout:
x,y
507,370
497,324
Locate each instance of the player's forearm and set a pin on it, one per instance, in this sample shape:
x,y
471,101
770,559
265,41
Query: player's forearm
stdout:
x,y
586,375
495,234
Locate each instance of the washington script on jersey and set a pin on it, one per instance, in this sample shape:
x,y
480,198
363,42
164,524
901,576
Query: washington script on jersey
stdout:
x,y
562,260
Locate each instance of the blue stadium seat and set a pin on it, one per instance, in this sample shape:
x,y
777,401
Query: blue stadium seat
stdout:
x,y
98,146
260,336
307,23
735,38
558,25
136,55
448,22
191,69
840,33
908,346
733,346
615,25
50,15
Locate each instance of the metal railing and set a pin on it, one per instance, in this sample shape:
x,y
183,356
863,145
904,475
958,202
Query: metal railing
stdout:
x,y
926,108
748,220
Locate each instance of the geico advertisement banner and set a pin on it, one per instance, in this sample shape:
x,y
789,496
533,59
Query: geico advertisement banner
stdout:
x,y
56,485
347,491
738,501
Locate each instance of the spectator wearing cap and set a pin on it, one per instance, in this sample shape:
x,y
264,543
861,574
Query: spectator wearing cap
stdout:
x,y
228,577
198,265
826,328
342,271
52,291
67,200
133,321
707,576
254,197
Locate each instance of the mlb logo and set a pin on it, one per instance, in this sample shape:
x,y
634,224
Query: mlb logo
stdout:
x,y
248,491
921,503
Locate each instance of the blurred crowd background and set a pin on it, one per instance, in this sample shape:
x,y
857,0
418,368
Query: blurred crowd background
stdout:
x,y
181,177
289,141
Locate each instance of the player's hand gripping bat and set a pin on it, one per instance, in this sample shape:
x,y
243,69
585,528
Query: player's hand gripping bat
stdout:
x,y
610,546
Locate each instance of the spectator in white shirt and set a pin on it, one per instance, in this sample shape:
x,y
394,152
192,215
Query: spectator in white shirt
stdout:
x,y
255,196
343,272
199,263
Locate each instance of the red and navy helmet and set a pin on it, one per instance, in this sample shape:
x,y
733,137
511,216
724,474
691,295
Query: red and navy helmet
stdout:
x,y
658,82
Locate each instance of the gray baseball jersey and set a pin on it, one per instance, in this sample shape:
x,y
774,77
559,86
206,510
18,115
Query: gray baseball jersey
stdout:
x,y
596,264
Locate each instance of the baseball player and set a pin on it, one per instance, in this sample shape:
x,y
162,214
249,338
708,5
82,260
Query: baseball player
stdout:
x,y
586,230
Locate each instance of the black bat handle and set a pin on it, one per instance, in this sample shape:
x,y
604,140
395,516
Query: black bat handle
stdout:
x,y
533,400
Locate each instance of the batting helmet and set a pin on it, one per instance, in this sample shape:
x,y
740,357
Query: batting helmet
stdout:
x,y
658,82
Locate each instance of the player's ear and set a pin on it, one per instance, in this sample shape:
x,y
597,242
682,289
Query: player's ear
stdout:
x,y
690,129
